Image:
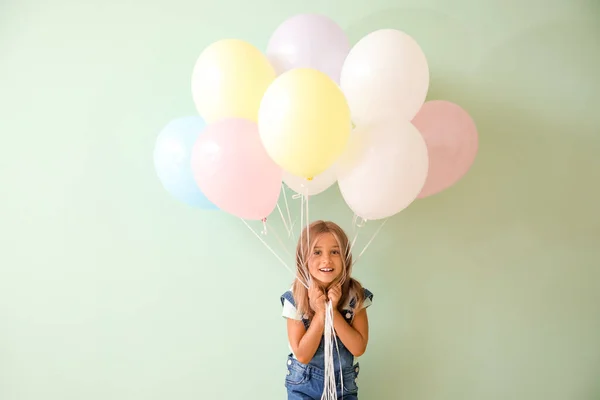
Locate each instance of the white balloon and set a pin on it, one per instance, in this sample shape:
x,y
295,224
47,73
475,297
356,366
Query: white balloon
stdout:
x,y
384,169
385,74
317,185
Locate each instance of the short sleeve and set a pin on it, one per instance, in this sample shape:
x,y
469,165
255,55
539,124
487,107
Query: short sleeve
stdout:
x,y
367,301
289,306
368,298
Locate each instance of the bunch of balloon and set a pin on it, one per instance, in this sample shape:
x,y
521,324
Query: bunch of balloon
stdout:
x,y
403,148
272,117
305,118
313,110
385,78
225,157
399,148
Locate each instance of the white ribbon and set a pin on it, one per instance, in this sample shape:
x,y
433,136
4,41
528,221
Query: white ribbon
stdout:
x,y
330,389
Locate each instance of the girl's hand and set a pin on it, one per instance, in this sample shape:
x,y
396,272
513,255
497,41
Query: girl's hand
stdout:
x,y
316,298
334,294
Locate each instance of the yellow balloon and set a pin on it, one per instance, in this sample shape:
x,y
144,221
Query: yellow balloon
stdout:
x,y
229,79
304,122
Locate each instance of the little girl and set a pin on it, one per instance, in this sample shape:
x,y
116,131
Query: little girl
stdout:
x,y
323,259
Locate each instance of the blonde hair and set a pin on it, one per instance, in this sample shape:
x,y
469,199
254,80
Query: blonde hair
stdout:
x,y
304,249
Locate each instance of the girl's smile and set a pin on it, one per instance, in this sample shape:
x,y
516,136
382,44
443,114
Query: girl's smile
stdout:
x,y
325,262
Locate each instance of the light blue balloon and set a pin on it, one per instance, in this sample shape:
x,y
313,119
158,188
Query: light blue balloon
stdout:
x,y
172,156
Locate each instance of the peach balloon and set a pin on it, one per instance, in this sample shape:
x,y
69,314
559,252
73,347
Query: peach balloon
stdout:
x,y
452,143
234,171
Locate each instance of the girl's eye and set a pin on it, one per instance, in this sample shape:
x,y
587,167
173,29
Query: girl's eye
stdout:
x,y
317,252
336,252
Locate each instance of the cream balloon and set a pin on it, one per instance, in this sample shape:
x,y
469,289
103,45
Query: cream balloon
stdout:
x,y
304,121
384,169
452,142
229,80
317,185
385,74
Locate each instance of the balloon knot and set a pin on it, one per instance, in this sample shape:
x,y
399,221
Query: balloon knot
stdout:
x,y
264,230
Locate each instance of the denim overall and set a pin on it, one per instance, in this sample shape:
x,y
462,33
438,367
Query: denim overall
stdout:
x,y
306,381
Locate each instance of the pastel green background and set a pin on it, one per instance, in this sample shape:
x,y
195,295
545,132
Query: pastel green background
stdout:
x,y
110,289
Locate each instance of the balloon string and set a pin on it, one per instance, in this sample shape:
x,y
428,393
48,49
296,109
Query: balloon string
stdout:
x,y
287,207
301,241
292,223
302,272
307,223
353,242
273,251
348,252
330,389
289,232
274,231
370,241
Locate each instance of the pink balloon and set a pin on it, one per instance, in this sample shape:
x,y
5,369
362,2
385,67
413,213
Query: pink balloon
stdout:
x,y
452,143
233,170
309,41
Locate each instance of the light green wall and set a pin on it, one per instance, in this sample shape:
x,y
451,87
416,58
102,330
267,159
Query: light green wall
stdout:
x,y
109,289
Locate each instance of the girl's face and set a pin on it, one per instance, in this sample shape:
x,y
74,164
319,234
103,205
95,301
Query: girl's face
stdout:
x,y
325,263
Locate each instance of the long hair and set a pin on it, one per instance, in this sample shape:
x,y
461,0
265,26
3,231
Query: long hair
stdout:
x,y
304,250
